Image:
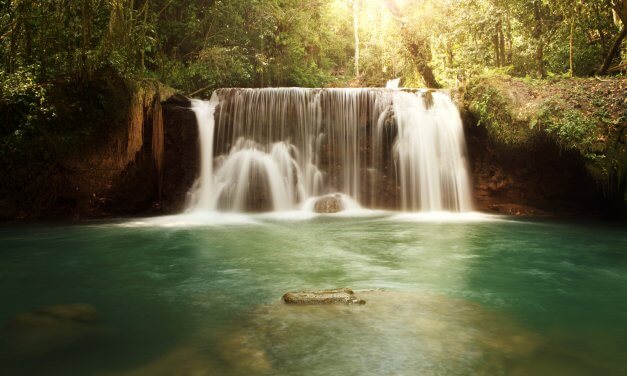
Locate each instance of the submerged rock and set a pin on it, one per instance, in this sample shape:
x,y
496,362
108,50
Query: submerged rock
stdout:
x,y
186,360
410,332
329,204
78,312
50,328
406,332
338,296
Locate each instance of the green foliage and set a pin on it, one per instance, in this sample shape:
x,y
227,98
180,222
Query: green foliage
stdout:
x,y
43,124
26,114
572,129
497,113
501,113
24,103
581,115
205,43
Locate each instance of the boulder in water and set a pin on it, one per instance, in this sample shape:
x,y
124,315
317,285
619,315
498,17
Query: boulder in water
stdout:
x,y
329,204
337,296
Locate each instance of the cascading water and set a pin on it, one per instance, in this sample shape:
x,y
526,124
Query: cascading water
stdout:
x,y
276,149
393,84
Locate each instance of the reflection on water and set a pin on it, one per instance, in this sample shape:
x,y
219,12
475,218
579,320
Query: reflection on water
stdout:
x,y
460,296
395,333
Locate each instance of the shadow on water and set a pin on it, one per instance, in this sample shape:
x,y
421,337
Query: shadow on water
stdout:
x,y
133,279
564,280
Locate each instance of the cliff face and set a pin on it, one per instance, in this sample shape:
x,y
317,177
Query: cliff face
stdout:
x,y
181,164
122,174
144,166
103,154
535,179
547,147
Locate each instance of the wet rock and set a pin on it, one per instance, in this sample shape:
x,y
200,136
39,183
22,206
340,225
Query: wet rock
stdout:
x,y
428,98
244,357
413,332
329,204
183,361
79,312
50,328
338,296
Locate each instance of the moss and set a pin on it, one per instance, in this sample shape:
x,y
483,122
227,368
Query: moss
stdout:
x,y
581,115
497,113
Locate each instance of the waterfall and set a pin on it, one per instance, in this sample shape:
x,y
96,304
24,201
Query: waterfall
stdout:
x,y
202,193
276,149
393,84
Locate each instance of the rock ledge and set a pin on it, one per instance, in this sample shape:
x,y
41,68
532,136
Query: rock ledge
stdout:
x,y
337,296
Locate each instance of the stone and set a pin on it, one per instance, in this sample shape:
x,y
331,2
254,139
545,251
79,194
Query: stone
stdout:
x,y
467,337
428,98
337,296
329,204
51,328
78,312
186,360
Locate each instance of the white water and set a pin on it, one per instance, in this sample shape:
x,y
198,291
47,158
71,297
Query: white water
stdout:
x,y
278,149
430,154
393,84
202,193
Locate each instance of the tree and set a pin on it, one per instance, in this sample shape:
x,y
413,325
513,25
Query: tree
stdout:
x,y
418,46
619,8
355,4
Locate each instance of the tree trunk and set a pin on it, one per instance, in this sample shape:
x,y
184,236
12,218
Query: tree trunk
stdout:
x,y
501,41
129,39
142,58
85,22
495,41
427,75
537,34
12,44
620,12
571,57
613,51
510,42
418,48
418,51
356,32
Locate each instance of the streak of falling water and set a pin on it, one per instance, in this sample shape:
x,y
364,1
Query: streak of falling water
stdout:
x,y
277,148
203,191
430,153
393,84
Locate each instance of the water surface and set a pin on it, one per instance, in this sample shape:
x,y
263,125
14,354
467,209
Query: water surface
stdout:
x,y
474,295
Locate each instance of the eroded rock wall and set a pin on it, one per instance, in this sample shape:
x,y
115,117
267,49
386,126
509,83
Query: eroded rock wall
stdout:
x,y
535,179
547,147
122,173
181,164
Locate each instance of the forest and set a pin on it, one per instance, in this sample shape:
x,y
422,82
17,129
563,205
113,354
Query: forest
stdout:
x,y
66,65
197,44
